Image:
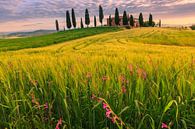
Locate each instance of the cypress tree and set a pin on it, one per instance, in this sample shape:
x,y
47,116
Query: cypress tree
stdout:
x,y
117,20
95,22
125,19
101,14
73,19
82,26
131,21
110,20
150,20
68,21
141,20
87,18
160,23
57,25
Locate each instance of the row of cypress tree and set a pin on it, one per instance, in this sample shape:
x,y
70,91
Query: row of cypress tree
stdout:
x,y
71,20
130,21
69,24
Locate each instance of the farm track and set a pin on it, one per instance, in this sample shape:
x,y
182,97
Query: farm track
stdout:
x,y
103,39
126,37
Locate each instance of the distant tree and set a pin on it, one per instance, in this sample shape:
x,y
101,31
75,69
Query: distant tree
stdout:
x,y
141,20
68,21
82,26
110,20
160,23
117,19
125,19
131,21
74,19
146,24
87,18
95,22
57,25
192,27
150,20
101,14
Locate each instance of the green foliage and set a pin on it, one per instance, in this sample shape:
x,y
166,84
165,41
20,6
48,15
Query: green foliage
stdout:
x,y
131,20
74,19
125,19
101,14
141,20
147,24
57,25
95,22
50,39
87,18
151,21
193,27
117,20
82,26
68,21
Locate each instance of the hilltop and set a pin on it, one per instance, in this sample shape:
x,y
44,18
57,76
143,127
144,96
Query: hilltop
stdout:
x,y
30,34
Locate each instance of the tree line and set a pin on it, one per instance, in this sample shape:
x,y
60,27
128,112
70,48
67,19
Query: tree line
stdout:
x,y
71,20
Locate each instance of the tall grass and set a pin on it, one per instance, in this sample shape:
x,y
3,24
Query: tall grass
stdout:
x,y
79,82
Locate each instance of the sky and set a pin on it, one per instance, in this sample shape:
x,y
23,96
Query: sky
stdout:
x,y
28,15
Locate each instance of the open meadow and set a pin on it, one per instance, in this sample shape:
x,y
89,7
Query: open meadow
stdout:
x,y
141,78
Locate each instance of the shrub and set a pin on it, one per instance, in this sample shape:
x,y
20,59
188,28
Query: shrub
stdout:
x,y
193,27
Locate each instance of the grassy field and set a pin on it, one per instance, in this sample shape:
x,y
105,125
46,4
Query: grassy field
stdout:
x,y
45,40
137,79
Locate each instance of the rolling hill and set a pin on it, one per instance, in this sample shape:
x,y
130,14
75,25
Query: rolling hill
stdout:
x,y
137,79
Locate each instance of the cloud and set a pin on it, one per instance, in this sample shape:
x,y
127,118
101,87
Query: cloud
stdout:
x,y
17,9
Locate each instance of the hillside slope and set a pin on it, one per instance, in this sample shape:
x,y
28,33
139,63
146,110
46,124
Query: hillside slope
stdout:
x,y
55,38
163,36
144,84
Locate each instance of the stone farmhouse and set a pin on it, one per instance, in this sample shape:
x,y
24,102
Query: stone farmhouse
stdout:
x,y
136,21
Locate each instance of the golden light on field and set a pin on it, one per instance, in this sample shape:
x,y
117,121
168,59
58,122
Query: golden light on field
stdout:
x,y
119,78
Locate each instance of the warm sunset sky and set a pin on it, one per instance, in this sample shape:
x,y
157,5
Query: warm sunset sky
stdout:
x,y
27,15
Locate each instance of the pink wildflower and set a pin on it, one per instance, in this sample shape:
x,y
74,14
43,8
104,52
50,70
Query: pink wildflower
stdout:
x,y
108,112
141,73
124,90
114,119
33,98
89,75
131,69
104,105
34,101
122,78
144,75
105,78
164,126
59,123
93,96
99,100
46,106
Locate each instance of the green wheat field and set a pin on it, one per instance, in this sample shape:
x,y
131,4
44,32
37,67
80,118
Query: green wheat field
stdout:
x,y
99,78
